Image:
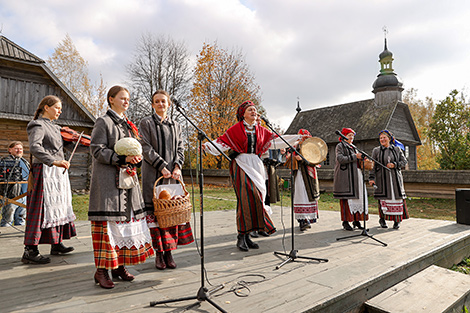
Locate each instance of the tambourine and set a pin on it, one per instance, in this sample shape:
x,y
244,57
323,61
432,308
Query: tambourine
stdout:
x,y
314,150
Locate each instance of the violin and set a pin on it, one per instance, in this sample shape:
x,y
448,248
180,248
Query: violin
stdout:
x,y
69,134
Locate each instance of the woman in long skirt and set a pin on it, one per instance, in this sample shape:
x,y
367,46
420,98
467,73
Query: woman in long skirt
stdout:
x,y
349,184
118,226
249,141
390,191
163,154
49,205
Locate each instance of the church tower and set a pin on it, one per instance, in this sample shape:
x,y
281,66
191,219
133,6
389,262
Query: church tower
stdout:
x,y
388,86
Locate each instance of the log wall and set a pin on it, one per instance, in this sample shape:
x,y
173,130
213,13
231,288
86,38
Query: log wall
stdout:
x,y
79,172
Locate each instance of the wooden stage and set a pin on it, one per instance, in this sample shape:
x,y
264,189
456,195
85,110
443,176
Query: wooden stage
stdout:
x,y
357,269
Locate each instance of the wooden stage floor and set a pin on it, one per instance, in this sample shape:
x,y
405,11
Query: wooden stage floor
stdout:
x,y
357,269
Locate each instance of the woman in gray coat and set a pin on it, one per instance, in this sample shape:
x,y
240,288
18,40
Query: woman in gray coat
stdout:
x,y
390,190
349,185
49,204
163,154
119,229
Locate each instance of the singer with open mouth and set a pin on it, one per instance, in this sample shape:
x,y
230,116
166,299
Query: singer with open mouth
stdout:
x,y
248,140
349,183
390,191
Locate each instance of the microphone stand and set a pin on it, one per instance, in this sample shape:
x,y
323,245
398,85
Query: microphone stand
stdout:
x,y
365,230
203,293
293,254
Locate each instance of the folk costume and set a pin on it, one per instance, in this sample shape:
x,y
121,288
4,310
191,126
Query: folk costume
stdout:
x,y
49,204
306,189
349,184
119,229
162,146
390,190
248,143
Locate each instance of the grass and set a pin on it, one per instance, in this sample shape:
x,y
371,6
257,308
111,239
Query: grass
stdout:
x,y
223,198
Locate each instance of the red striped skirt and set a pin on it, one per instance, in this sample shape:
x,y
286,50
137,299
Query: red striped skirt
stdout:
x,y
167,239
347,216
251,215
110,258
34,234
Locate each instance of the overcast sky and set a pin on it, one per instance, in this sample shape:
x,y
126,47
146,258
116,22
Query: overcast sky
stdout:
x,y
323,52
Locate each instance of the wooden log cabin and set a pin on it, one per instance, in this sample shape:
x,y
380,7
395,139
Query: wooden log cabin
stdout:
x,y
367,117
24,81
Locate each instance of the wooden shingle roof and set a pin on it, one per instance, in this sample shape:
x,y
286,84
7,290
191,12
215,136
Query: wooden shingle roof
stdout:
x,y
10,50
365,117
17,62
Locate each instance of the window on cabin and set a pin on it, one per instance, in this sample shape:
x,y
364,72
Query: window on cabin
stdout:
x,y
327,161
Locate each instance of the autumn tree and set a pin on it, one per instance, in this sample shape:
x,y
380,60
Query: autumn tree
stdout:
x,y
158,63
72,69
450,131
222,81
422,113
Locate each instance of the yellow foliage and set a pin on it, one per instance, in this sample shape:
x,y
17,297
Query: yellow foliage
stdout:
x,y
222,81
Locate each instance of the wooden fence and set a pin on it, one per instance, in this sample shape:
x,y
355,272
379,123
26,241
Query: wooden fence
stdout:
x,y
428,184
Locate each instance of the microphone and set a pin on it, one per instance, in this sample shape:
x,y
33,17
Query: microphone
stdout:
x,y
375,186
341,135
265,119
176,103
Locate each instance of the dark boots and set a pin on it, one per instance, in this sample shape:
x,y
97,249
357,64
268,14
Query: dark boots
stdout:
x,y
159,261
60,249
31,255
382,223
241,242
170,263
250,243
122,272
164,260
346,226
357,224
245,243
102,278
304,225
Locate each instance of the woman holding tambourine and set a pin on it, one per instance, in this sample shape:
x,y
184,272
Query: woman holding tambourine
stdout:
x,y
163,154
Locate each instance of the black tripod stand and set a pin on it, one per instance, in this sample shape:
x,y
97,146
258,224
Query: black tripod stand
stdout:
x,y
365,230
203,293
293,254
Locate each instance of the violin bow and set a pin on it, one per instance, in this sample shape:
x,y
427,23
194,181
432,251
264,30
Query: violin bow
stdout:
x,y
74,148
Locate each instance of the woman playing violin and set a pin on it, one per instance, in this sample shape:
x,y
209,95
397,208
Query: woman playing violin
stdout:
x,y
49,206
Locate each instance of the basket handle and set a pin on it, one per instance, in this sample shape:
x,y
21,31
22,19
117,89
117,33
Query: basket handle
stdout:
x,y
155,186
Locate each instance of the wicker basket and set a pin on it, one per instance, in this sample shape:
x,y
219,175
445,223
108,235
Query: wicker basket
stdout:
x,y
172,212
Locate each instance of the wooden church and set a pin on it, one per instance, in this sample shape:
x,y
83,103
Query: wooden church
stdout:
x,y
366,117
24,81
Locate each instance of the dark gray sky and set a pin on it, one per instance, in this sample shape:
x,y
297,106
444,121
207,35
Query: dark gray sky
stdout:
x,y
324,52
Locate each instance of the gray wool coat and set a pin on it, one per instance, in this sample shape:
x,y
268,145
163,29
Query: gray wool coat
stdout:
x,y
45,141
162,147
382,177
346,181
107,202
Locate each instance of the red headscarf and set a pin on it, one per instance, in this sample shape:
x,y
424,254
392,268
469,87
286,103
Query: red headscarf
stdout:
x,y
345,131
242,108
235,137
304,132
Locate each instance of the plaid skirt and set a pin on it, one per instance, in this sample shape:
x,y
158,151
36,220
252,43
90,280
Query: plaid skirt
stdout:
x,y
111,258
34,234
251,214
347,216
395,218
167,239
